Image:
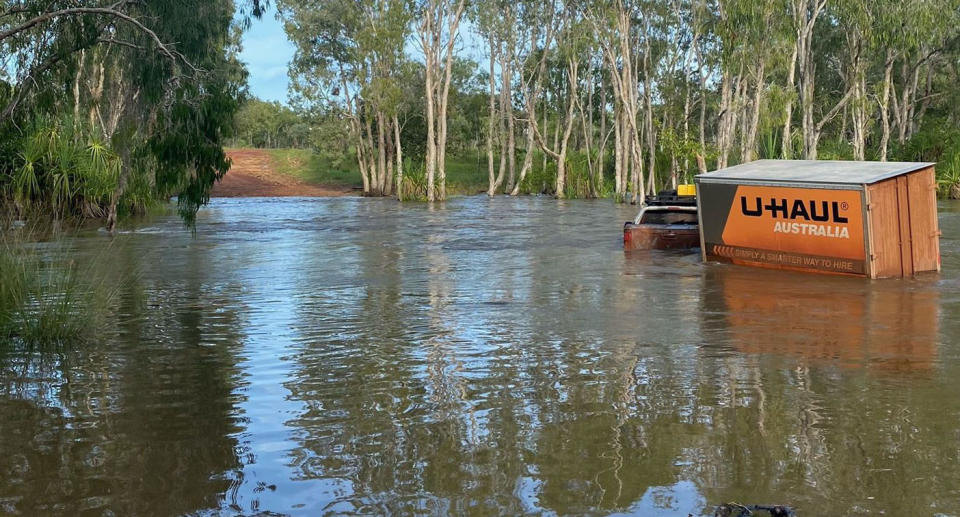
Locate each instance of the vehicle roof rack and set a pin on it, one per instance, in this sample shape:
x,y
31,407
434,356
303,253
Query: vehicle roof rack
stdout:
x,y
670,197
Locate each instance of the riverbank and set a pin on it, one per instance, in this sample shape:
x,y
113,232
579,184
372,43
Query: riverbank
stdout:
x,y
302,172
263,173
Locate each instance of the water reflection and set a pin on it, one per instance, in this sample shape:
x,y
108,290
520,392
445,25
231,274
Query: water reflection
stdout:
x,y
140,423
828,386
503,356
880,325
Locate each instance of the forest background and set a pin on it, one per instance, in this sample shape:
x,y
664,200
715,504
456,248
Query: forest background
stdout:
x,y
107,107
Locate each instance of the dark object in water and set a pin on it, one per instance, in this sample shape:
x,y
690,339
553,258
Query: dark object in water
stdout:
x,y
666,221
739,510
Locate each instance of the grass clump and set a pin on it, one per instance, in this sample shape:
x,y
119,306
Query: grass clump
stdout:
x,y
47,301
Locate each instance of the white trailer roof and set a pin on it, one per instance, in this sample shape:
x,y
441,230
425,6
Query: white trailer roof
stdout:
x,y
813,171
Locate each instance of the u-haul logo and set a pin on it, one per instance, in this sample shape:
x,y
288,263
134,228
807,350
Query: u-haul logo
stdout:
x,y
812,213
822,211
802,221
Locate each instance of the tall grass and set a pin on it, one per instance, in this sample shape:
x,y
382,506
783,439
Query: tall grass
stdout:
x,y
47,299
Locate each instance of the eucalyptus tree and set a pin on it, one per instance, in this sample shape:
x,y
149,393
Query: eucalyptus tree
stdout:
x,y
437,26
857,20
889,23
495,22
537,26
917,35
348,54
571,43
159,80
674,84
594,105
733,83
806,14
613,25
670,38
744,30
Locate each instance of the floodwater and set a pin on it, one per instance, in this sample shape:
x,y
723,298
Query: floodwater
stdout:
x,y
357,356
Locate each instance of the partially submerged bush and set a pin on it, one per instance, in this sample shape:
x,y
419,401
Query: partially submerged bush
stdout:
x,y
46,301
414,186
948,178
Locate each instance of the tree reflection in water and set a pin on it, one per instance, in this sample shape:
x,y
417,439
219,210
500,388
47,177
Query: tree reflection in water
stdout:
x,y
485,357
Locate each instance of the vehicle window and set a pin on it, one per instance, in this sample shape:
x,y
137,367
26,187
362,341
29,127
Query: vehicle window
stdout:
x,y
664,217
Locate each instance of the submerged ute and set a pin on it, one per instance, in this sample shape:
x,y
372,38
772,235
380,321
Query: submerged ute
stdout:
x,y
667,220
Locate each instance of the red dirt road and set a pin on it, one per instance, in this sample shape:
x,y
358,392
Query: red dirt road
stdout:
x,y
252,175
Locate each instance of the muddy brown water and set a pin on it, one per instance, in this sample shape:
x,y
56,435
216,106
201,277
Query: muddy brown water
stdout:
x,y
355,356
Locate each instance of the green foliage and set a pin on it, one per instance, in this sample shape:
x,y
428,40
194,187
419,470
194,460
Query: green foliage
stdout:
x,y
139,100
262,124
347,52
540,180
186,143
673,146
835,149
65,170
414,186
948,178
140,193
938,141
768,144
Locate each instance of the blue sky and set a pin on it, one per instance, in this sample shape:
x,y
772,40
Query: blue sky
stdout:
x,y
267,52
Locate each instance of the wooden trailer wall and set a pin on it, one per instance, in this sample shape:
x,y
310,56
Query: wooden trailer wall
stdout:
x,y
904,231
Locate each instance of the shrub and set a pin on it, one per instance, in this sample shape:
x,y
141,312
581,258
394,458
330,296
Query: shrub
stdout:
x,y
68,172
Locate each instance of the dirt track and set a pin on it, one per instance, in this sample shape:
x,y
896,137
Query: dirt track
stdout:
x,y
252,175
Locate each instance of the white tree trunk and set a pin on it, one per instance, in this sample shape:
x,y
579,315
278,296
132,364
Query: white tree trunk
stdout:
x,y
399,156
491,123
884,103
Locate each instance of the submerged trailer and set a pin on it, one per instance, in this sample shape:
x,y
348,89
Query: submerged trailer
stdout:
x,y
873,219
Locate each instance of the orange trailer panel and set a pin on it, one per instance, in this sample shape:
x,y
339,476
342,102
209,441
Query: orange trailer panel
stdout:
x,y
784,227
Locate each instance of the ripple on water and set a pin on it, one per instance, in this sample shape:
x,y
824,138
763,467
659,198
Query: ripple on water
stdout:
x,y
494,356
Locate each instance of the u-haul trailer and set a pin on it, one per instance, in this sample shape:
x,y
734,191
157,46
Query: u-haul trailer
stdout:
x,y
873,219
